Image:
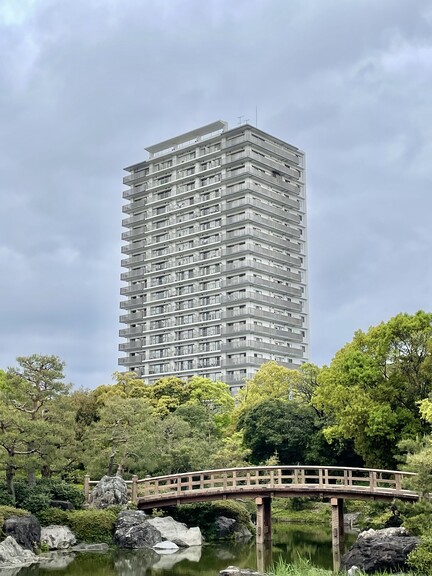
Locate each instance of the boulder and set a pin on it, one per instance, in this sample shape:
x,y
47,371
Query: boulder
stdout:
x,y
57,537
177,532
380,550
12,554
234,571
62,504
230,529
133,530
26,530
164,546
109,491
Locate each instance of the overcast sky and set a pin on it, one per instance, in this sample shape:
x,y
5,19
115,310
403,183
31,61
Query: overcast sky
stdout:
x,y
85,85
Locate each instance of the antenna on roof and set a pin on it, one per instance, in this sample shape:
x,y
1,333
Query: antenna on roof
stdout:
x,y
240,120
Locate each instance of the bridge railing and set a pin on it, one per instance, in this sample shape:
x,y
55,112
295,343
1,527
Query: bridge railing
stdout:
x,y
256,478
277,477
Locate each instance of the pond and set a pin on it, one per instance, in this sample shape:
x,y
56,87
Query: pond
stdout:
x,y
290,541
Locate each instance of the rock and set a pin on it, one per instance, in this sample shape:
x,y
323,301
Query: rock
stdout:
x,y
353,571
57,537
380,550
62,504
133,530
228,528
12,554
26,530
102,547
167,545
177,532
109,491
234,571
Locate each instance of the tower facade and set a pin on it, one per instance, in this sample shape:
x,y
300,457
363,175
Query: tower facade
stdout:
x,y
215,255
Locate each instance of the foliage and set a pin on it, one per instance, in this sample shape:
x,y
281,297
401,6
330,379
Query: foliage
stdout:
x,y
371,389
278,426
36,502
37,498
5,498
204,514
121,438
420,559
35,431
92,526
53,516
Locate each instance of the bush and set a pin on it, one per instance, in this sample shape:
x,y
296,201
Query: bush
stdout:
x,y
60,490
5,498
204,515
36,502
53,516
421,558
92,526
38,497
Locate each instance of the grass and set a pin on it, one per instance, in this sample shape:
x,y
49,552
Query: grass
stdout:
x,y
304,568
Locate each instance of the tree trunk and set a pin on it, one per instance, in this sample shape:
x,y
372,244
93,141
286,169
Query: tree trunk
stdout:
x,y
10,475
31,473
111,464
46,471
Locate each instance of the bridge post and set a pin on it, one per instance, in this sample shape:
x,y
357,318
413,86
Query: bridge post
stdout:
x,y
337,529
263,519
134,491
86,488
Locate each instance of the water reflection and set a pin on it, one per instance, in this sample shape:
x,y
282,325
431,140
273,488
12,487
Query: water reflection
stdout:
x,y
290,541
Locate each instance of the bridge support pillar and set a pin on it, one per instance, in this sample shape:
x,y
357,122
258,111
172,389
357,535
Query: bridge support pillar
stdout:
x,y
337,529
263,522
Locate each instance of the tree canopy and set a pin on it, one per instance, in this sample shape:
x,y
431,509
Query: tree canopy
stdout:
x,y
370,391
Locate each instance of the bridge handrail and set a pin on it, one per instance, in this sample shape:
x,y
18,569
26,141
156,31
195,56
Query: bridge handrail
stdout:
x,y
283,467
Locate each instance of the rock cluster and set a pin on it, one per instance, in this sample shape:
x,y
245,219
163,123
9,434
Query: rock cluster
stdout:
x,y
12,554
135,530
380,550
25,530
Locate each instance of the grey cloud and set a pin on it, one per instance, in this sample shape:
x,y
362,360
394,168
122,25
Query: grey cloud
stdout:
x,y
85,85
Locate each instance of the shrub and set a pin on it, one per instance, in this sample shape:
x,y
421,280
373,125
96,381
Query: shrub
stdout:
x,y
204,515
92,526
5,498
38,497
421,558
36,502
53,516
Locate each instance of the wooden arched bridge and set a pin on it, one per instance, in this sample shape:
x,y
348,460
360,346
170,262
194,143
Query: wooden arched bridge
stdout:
x,y
265,482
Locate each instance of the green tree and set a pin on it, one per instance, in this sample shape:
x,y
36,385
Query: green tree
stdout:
x,y
278,427
370,392
122,438
33,429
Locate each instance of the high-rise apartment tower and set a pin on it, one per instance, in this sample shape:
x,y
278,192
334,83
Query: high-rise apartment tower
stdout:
x,y
215,256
